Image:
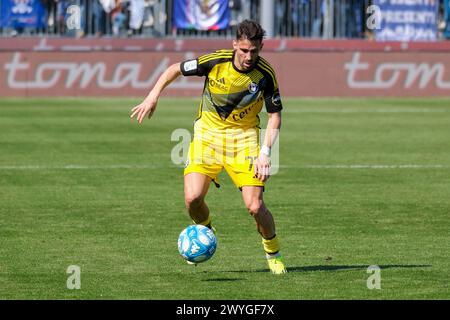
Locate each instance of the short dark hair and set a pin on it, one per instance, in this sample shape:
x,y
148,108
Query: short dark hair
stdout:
x,y
250,30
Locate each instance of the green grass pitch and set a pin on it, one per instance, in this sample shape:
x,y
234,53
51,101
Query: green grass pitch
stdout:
x,y
362,182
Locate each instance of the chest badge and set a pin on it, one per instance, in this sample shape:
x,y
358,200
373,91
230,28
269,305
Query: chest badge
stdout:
x,y
253,87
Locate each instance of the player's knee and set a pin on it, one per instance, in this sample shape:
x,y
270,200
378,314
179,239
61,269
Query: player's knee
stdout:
x,y
193,200
255,207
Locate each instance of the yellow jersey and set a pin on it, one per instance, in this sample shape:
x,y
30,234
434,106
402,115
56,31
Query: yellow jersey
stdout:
x,y
232,99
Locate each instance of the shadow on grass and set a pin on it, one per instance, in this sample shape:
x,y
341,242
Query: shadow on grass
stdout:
x,y
339,267
225,279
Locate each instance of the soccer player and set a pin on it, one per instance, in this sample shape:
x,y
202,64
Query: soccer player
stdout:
x,y
226,132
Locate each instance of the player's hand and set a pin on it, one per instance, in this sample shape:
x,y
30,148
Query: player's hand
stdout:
x,y
146,108
262,168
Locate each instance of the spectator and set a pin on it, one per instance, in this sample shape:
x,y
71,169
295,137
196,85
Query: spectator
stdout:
x,y
236,11
280,12
99,18
356,13
136,16
444,25
320,9
118,17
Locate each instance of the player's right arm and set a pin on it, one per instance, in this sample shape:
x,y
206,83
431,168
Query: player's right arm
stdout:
x,y
193,67
148,106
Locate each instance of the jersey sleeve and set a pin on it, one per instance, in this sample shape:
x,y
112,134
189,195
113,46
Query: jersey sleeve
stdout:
x,y
190,68
272,97
199,66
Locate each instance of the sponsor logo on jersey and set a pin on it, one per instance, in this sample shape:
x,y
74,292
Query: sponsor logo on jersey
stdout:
x,y
219,83
242,114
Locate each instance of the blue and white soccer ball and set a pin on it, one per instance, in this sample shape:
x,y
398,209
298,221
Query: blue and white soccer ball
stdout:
x,y
197,243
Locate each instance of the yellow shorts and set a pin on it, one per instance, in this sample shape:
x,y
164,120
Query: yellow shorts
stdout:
x,y
235,151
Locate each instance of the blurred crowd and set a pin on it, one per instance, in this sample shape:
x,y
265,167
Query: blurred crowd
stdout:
x,y
153,18
97,18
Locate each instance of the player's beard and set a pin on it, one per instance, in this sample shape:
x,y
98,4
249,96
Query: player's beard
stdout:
x,y
246,65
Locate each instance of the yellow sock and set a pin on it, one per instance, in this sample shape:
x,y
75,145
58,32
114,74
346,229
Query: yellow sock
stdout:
x,y
271,246
205,223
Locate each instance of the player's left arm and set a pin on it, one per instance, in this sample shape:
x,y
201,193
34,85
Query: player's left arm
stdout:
x,y
262,164
272,100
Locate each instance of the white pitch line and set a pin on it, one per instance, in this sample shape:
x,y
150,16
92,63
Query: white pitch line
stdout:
x,y
83,167
150,166
387,110
368,166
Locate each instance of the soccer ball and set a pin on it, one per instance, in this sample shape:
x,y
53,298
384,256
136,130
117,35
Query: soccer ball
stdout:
x,y
197,243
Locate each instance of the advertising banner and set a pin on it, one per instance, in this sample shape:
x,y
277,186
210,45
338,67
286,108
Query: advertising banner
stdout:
x,y
201,14
22,14
407,20
299,74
